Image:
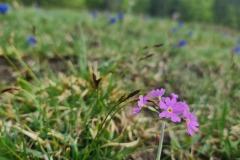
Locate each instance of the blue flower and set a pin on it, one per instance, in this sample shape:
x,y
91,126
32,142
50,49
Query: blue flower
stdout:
x,y
120,16
182,43
31,40
94,14
180,24
112,20
4,8
174,29
237,50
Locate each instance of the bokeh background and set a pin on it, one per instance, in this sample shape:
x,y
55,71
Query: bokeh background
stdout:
x,y
224,12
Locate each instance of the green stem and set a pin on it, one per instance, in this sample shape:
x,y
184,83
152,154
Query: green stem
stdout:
x,y
99,130
20,60
10,62
161,141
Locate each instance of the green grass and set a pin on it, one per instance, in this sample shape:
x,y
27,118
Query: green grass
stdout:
x,y
47,114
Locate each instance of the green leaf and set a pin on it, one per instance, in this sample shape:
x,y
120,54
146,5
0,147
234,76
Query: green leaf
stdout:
x,y
25,85
35,153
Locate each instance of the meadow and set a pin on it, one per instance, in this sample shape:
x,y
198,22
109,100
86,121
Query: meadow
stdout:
x,y
69,93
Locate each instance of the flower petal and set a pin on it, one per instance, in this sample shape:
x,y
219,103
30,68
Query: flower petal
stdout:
x,y
140,103
190,132
162,91
157,92
153,93
192,117
162,105
163,114
178,108
168,101
194,123
136,110
194,128
141,98
145,98
175,118
173,95
173,101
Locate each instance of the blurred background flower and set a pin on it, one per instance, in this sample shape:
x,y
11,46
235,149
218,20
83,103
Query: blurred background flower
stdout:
x,y
180,24
112,20
175,15
4,8
182,43
94,14
237,50
120,16
174,30
31,40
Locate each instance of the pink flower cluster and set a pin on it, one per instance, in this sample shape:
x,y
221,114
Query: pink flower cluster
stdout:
x,y
170,108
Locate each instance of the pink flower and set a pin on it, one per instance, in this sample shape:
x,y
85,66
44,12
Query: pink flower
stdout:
x,y
192,123
136,110
142,102
157,93
173,95
182,108
170,109
186,110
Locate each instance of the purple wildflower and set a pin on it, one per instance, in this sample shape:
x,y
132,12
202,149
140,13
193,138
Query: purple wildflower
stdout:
x,y
175,16
157,93
174,29
170,109
136,110
182,108
180,24
182,43
4,8
237,50
173,95
112,20
120,16
94,14
192,123
31,40
141,103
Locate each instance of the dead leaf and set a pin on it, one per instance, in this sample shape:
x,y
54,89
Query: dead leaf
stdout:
x,y
127,145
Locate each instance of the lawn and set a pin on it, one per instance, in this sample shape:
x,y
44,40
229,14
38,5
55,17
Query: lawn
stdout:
x,y
71,94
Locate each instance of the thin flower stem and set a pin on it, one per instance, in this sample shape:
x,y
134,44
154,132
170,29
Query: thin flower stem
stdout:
x,y
161,141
